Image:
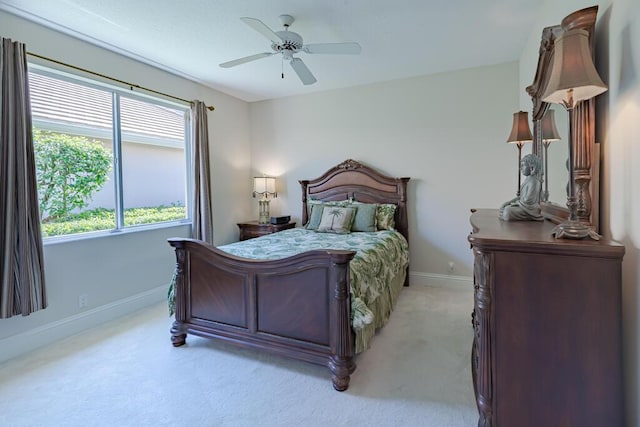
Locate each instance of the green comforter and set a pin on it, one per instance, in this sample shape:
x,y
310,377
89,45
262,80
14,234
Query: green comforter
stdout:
x,y
380,256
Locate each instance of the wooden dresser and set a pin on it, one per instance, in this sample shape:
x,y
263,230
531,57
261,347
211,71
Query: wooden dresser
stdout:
x,y
547,320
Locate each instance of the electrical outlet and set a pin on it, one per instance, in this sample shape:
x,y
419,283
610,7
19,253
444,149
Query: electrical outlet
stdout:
x,y
452,266
83,300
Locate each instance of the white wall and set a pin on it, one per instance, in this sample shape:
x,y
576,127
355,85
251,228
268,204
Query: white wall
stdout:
x,y
120,273
153,175
446,131
618,131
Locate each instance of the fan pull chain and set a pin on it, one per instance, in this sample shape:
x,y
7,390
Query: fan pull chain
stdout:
x,y
282,65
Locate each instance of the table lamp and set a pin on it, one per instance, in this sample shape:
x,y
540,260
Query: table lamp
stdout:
x,y
573,79
520,133
549,134
264,186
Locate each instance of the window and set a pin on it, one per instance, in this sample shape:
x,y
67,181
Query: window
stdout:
x,y
106,159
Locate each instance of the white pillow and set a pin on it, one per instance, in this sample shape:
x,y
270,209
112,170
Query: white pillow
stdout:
x,y
336,220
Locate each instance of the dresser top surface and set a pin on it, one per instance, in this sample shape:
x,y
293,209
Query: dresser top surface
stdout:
x,y
489,232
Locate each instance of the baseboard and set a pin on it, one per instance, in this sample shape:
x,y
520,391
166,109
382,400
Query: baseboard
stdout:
x,y
25,342
440,280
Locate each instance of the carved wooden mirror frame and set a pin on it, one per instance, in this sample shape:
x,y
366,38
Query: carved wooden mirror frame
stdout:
x,y
586,162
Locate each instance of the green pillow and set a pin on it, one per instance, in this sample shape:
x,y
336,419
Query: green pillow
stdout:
x,y
315,217
365,219
385,217
336,219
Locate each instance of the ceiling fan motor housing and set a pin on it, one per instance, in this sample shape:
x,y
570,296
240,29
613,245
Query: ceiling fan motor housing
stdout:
x,y
290,41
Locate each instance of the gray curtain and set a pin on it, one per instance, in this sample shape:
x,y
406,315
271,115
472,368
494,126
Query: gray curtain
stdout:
x,y
22,285
201,208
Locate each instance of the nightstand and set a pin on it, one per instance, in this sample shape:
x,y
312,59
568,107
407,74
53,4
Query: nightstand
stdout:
x,y
251,229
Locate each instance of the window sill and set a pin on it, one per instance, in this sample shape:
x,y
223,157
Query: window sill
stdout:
x,y
52,240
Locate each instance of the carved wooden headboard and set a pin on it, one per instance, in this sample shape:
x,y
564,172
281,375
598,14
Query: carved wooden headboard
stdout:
x,y
353,180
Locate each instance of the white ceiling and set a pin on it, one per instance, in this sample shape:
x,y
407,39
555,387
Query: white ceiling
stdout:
x,y
399,38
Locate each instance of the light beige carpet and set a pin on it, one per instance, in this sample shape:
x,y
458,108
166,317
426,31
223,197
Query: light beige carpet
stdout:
x,y
127,373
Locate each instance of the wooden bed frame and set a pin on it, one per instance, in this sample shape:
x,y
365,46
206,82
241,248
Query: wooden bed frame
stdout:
x,y
297,307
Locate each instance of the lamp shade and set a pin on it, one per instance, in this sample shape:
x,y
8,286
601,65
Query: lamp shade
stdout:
x,y
549,129
520,131
264,185
573,76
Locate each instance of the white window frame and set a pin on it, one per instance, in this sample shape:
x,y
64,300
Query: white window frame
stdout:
x,y
116,138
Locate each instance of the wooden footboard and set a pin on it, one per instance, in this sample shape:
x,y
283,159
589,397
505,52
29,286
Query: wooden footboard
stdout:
x,y
297,307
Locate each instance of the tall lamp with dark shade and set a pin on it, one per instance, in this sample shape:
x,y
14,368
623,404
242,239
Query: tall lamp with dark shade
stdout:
x,y
549,134
573,79
520,133
264,186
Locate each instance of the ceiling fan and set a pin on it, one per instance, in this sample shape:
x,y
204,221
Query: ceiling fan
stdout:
x,y
289,43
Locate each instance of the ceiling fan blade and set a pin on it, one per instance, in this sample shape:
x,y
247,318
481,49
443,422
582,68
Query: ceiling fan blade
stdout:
x,y
260,27
350,48
302,71
246,59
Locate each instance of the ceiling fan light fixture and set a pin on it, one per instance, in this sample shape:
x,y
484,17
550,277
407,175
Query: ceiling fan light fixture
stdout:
x,y
287,55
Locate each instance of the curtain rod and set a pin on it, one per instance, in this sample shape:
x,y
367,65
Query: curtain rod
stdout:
x,y
131,85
